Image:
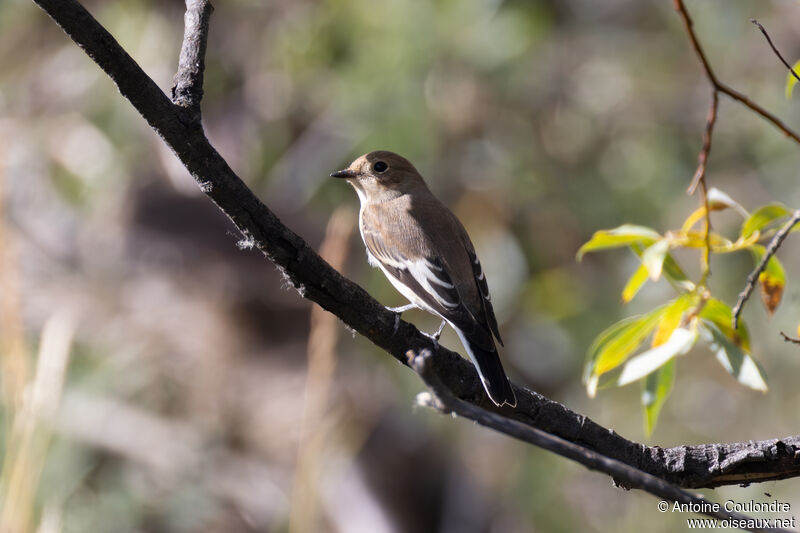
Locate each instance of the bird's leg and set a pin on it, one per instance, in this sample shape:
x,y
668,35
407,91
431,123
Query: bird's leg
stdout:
x,y
397,311
401,309
435,336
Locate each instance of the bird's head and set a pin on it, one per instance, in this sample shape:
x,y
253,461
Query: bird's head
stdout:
x,y
381,175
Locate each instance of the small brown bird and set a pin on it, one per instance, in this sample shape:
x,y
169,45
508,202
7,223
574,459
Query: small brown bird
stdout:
x,y
427,255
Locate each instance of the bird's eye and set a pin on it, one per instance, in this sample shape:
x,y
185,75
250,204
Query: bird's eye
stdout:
x,y
380,166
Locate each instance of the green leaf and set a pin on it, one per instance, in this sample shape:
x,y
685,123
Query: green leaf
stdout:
x,y
762,217
680,342
612,346
734,358
600,342
636,281
620,236
674,272
653,258
720,314
772,279
657,388
791,81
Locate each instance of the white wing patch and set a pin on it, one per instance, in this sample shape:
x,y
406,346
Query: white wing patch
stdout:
x,y
425,273
478,270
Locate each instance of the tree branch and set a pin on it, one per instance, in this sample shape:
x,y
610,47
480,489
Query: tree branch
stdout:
x,y
623,474
707,465
721,87
187,88
752,279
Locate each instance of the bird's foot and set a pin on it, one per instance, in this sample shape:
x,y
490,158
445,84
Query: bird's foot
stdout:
x,y
435,336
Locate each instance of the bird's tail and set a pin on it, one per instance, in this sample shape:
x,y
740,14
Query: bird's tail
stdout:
x,y
490,370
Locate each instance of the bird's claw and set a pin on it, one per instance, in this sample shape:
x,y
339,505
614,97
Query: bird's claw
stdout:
x,y
435,336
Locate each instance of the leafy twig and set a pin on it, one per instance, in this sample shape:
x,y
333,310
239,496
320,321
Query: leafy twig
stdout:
x,y
752,279
787,65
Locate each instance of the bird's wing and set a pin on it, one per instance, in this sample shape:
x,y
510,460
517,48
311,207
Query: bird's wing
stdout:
x,y
430,281
480,280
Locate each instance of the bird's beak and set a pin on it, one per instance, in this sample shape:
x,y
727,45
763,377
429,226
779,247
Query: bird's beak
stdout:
x,y
346,173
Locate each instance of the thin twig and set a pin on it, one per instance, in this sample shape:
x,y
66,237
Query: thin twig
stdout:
x,y
773,246
623,474
700,178
787,338
187,88
721,87
787,65
706,262
702,158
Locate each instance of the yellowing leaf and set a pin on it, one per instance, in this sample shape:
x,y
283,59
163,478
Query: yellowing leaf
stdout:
x,y
624,235
671,319
733,358
696,239
657,387
771,281
762,217
791,81
692,219
681,340
636,281
771,292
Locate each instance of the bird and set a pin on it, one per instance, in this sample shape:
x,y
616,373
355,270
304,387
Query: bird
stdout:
x,y
426,254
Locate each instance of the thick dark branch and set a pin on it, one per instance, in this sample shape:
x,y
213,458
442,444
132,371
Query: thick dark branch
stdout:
x,y
752,279
721,87
688,466
623,474
766,35
187,88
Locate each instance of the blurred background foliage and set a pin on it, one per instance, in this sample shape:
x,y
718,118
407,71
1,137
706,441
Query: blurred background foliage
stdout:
x,y
183,359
